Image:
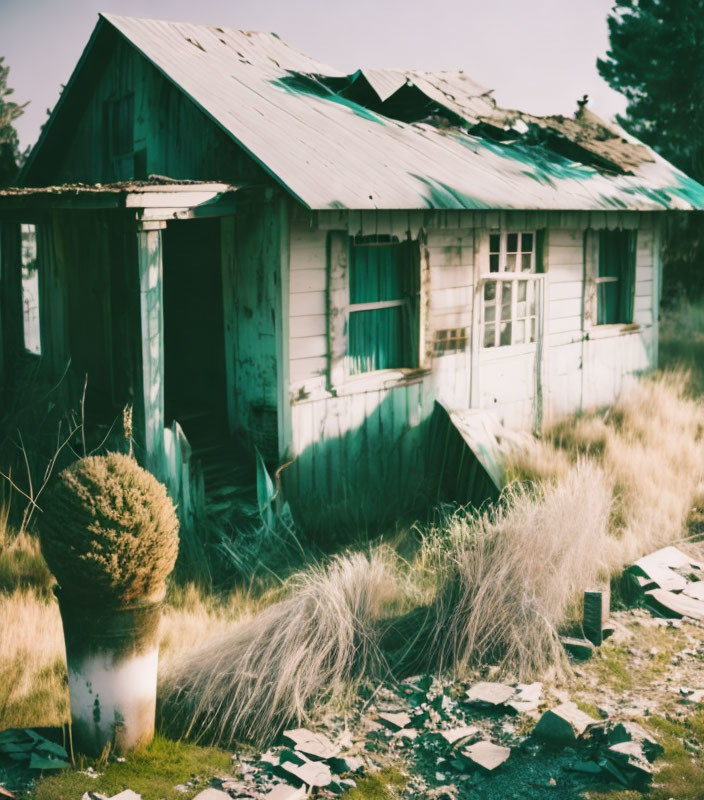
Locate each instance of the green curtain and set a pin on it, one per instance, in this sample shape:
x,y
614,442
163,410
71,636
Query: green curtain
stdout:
x,y
383,269
617,259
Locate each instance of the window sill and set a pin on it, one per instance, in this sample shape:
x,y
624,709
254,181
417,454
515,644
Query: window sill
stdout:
x,y
610,330
381,379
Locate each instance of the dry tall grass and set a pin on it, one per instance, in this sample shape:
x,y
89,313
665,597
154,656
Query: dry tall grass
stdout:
x,y
650,446
508,577
311,646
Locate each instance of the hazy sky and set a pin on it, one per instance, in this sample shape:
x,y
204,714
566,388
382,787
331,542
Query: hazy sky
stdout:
x,y
539,55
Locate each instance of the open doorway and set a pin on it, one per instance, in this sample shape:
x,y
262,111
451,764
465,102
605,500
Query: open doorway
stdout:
x,y
194,336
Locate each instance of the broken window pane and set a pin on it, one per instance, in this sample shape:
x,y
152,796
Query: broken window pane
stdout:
x,y
494,262
527,242
505,337
494,243
512,243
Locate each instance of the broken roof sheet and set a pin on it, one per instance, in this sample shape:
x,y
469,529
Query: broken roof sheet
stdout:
x,y
333,146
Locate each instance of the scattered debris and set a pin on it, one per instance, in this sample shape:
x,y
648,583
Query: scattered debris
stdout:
x,y
128,794
395,721
563,725
29,747
285,792
490,694
313,745
456,735
581,649
633,732
669,604
312,773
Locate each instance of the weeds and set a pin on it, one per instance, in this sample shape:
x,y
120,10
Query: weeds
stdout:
x,y
314,645
507,577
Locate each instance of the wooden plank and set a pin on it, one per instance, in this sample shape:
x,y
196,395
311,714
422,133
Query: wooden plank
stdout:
x,y
307,280
307,304
149,250
229,300
337,303
282,328
303,368
308,347
314,325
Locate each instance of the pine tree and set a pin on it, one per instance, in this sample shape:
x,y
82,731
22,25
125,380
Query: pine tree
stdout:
x,y
656,60
10,154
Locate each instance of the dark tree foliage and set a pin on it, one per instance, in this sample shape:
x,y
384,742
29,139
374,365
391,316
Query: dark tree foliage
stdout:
x,y
656,60
10,155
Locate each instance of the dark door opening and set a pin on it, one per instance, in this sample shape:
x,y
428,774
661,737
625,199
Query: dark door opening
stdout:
x,y
194,334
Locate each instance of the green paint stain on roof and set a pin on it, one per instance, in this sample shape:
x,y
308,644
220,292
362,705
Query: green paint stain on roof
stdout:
x,y
441,195
299,84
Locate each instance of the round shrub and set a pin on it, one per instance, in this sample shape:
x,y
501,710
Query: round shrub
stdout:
x,y
109,531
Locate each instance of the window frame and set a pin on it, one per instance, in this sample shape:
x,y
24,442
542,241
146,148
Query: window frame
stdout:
x,y
501,276
25,349
339,378
592,247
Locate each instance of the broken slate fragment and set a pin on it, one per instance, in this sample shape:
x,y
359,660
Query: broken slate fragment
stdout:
x,y
395,721
633,732
312,773
527,697
630,755
581,649
563,725
455,735
313,745
669,604
487,755
128,794
285,792
344,764
212,794
490,694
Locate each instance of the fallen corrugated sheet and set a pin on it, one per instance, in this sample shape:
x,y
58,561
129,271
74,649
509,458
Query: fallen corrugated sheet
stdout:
x,y
292,115
464,456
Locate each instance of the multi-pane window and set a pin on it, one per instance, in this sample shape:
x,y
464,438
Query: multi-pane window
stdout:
x,y
30,290
509,300
383,304
615,278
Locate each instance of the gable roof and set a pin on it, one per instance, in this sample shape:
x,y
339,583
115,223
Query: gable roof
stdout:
x,y
398,139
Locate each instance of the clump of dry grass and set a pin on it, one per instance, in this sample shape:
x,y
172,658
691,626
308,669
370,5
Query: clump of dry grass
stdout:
x,y
33,688
508,577
312,646
650,446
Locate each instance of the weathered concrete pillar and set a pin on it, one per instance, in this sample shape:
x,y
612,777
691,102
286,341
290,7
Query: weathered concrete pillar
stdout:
x,y
151,302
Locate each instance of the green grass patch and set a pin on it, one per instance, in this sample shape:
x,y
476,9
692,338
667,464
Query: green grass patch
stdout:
x,y
387,784
152,772
612,666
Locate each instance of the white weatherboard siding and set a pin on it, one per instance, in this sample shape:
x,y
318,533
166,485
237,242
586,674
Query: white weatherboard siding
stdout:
x,y
371,426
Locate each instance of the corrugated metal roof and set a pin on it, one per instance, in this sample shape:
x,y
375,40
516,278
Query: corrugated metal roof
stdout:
x,y
331,152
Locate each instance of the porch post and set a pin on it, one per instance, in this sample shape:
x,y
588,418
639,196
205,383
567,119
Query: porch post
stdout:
x,y
151,294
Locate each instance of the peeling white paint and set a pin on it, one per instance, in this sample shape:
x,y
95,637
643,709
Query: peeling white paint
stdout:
x,y
114,700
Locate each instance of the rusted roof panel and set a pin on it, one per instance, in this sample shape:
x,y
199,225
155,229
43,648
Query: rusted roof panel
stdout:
x,y
331,152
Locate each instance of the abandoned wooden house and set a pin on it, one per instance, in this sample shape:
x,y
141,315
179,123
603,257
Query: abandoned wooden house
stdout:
x,y
231,237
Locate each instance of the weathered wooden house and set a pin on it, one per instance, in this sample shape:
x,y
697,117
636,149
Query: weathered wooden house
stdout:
x,y
232,236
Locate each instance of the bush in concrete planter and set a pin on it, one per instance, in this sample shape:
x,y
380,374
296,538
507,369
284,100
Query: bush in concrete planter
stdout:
x,y
109,533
